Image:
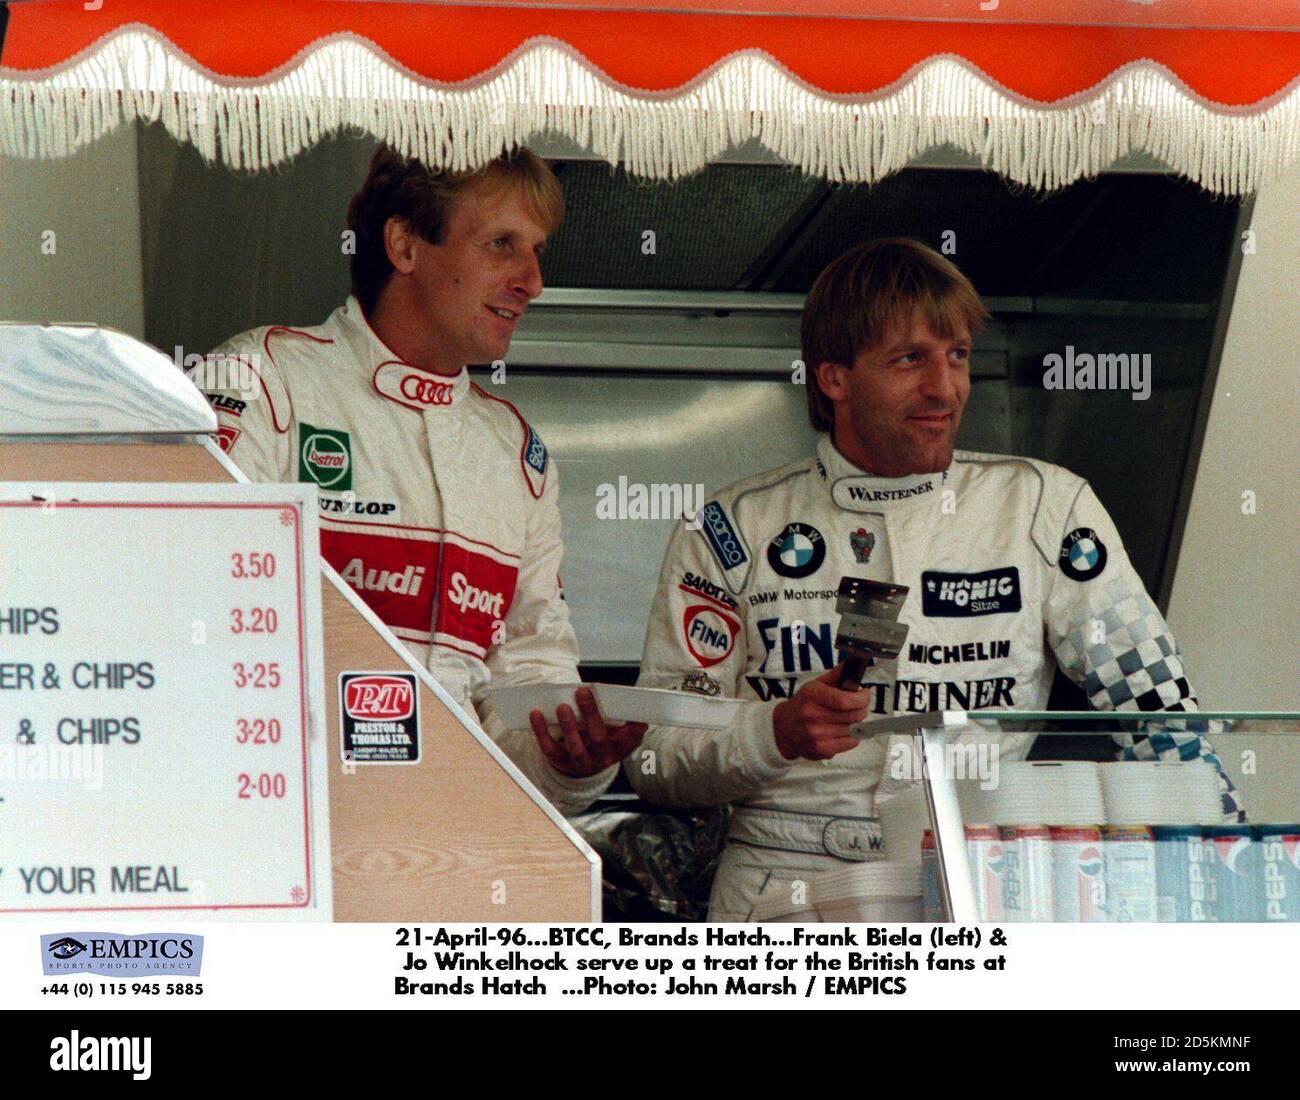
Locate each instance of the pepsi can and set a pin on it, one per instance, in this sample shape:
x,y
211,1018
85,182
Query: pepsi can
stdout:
x,y
931,893
1279,856
1237,873
1027,876
1129,852
984,847
1184,874
1078,878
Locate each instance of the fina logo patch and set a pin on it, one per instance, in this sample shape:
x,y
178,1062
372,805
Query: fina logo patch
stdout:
x,y
1083,554
721,536
796,552
965,595
710,635
535,452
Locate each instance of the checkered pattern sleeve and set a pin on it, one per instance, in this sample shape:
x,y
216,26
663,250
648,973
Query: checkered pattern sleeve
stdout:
x,y
1110,638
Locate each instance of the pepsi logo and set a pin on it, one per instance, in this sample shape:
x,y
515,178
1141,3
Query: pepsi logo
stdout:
x,y
1230,849
1291,845
994,862
1090,862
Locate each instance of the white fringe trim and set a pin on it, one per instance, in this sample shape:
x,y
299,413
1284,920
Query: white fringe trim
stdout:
x,y
347,81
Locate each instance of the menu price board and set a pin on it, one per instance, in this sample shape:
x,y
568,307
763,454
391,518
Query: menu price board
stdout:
x,y
161,701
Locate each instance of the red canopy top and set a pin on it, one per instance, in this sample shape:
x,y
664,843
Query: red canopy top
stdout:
x,y
846,97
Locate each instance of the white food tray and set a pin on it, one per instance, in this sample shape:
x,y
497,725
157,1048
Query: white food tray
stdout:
x,y
617,703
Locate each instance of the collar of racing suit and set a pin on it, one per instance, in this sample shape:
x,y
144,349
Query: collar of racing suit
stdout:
x,y
394,378
857,491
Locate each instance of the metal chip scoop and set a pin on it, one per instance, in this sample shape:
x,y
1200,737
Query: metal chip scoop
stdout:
x,y
869,629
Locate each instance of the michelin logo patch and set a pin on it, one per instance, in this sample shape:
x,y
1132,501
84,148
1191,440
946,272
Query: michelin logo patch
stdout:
x,y
722,537
535,452
964,595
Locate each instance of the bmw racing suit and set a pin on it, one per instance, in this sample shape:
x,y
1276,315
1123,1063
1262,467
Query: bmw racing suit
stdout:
x,y
438,506
1013,568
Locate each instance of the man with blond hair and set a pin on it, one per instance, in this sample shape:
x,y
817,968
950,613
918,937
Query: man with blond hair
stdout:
x,y
438,499
1013,569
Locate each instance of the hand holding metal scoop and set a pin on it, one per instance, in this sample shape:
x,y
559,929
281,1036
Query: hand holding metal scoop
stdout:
x,y
869,629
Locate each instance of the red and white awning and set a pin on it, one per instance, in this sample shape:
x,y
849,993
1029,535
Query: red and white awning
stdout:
x,y
1036,96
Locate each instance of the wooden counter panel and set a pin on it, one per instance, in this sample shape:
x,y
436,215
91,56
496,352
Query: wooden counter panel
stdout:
x,y
452,838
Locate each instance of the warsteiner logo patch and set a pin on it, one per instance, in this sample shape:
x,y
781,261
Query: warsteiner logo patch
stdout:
x,y
325,457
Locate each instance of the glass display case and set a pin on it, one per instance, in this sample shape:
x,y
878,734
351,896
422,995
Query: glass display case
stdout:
x,y
1147,837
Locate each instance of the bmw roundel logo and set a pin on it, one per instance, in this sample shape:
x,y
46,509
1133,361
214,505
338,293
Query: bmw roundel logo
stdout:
x,y
798,551
1083,554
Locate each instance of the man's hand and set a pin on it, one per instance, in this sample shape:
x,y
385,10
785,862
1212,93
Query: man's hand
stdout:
x,y
814,723
589,746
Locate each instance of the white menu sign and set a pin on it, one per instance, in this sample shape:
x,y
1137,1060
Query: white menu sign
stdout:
x,y
161,702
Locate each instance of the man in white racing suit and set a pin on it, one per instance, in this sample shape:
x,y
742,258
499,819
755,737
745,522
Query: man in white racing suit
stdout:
x,y
1012,564
438,500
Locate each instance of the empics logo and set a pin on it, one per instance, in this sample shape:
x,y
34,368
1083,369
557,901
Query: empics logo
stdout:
x,y
325,457
114,954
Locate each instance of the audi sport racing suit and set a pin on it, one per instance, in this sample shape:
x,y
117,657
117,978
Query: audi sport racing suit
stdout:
x,y
438,506
1013,568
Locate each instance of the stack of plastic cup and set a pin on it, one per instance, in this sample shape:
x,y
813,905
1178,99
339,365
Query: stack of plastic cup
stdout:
x,y
1039,793
1157,792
